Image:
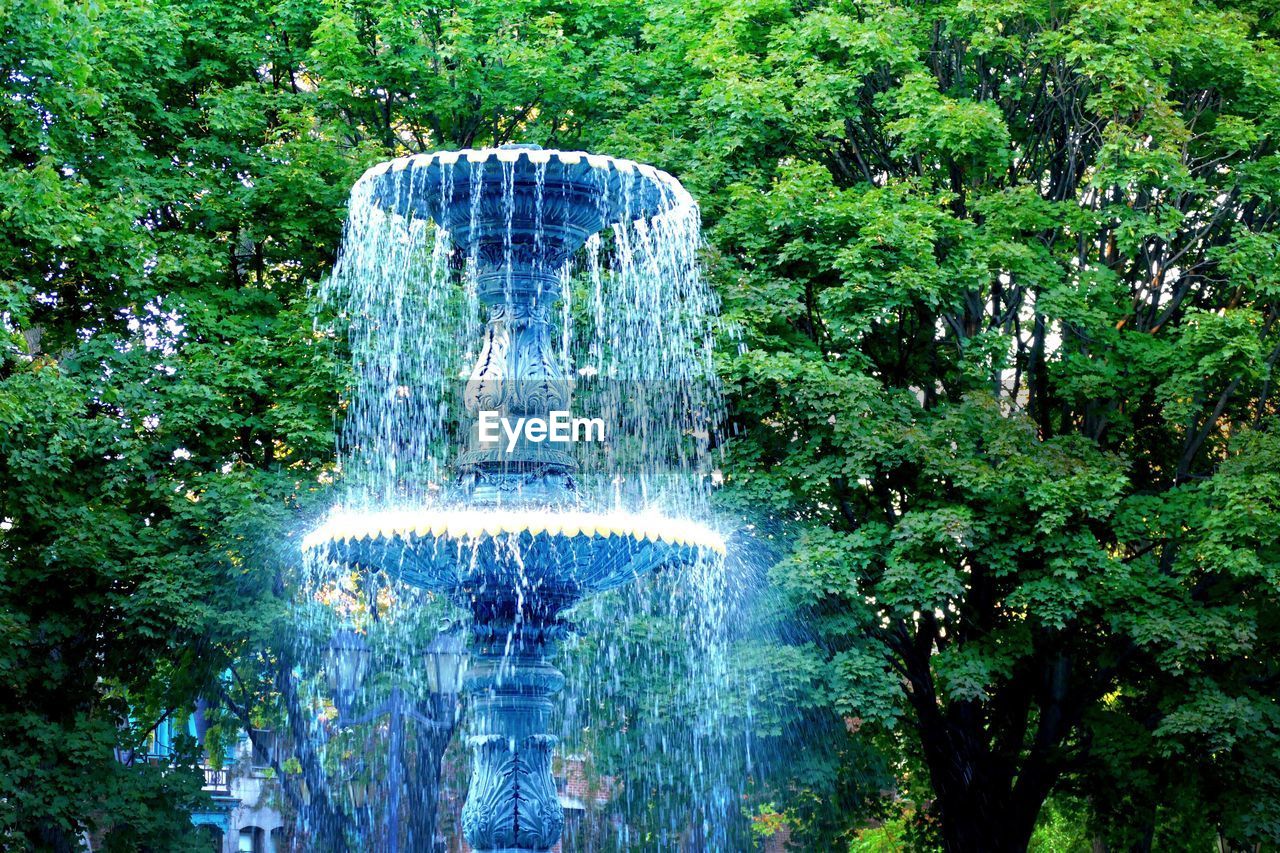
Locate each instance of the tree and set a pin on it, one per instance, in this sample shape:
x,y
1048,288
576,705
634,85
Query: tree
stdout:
x,y
1006,273
1007,276
149,314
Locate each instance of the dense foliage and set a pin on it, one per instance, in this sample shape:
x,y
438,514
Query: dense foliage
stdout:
x,y
164,209
1012,324
1007,275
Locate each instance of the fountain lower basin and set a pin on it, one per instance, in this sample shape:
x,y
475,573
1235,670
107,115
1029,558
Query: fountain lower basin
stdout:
x,y
563,553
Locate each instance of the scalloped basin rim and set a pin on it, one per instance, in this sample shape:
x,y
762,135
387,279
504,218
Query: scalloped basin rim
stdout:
x,y
535,156
474,525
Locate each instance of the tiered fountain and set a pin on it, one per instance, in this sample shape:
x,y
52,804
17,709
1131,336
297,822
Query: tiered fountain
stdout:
x,y
513,538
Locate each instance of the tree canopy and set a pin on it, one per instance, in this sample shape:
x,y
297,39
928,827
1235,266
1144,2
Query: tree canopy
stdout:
x,y
1007,279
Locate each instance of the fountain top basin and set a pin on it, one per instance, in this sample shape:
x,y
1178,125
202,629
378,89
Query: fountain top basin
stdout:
x,y
561,555
522,211
624,187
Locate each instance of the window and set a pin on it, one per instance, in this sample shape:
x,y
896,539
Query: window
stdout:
x,y
264,747
252,840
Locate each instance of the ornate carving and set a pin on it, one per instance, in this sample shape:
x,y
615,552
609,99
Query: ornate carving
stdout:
x,y
512,802
485,476
517,375
530,638
516,372
489,816
484,389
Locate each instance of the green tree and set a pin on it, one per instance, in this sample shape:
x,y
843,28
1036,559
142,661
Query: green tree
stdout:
x,y
1007,275
165,204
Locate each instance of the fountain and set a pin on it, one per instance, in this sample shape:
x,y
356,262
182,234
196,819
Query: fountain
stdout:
x,y
517,531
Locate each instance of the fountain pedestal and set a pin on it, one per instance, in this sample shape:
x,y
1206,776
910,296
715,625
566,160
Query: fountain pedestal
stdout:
x,y
512,802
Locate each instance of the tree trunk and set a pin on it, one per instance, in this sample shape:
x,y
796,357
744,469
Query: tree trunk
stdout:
x,y
48,836
982,818
987,803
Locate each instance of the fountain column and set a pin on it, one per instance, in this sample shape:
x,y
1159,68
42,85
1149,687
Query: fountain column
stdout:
x,y
512,804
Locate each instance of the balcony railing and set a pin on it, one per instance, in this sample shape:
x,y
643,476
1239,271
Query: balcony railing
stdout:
x,y
217,780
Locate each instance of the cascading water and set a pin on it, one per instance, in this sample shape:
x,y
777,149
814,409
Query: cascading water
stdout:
x,y
496,285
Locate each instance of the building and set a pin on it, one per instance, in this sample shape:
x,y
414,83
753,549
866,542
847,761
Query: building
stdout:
x,y
243,815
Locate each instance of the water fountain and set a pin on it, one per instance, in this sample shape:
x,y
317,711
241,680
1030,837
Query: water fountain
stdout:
x,y
517,532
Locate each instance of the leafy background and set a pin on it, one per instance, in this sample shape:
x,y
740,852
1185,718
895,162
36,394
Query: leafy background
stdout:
x,y
1003,432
